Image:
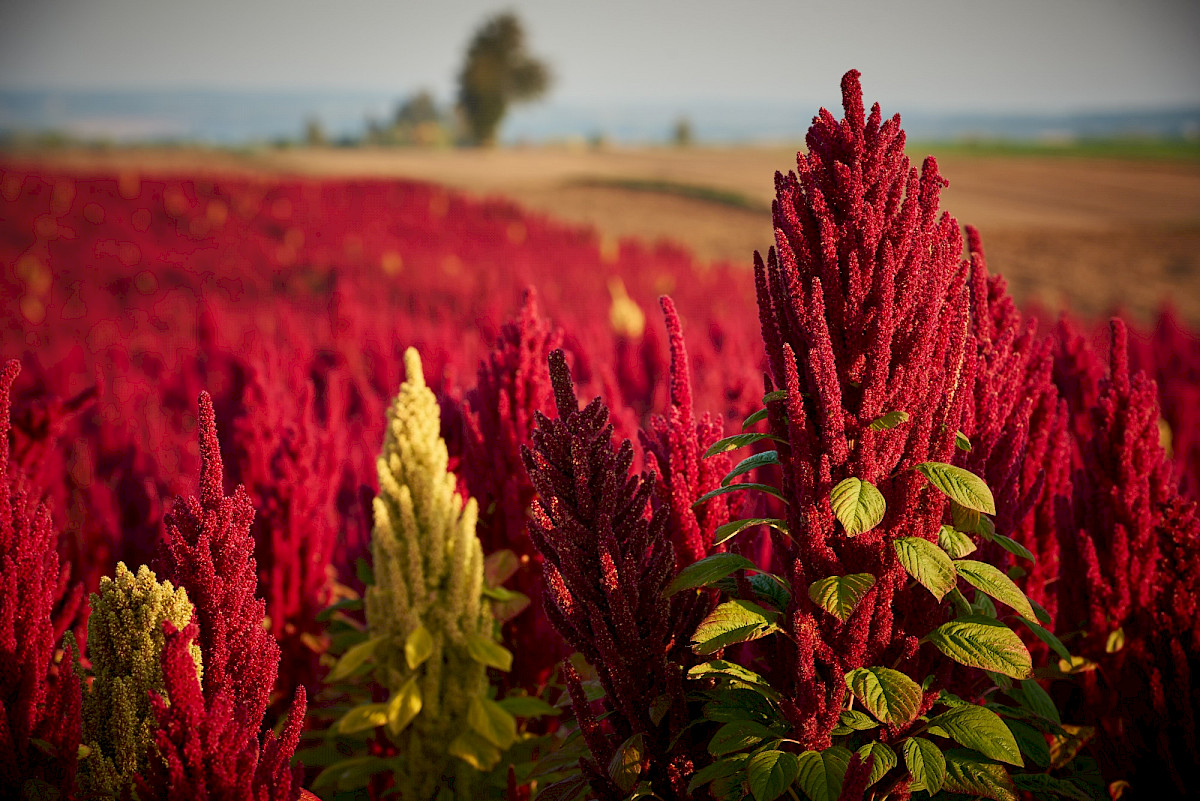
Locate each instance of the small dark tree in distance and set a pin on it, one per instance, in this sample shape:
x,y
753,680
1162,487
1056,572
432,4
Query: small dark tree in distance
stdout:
x,y
497,72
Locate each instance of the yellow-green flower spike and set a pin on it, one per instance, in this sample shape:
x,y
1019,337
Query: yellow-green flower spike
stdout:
x,y
125,643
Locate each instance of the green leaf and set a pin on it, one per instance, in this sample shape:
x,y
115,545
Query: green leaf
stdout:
x,y
821,773
981,729
983,643
362,718
1034,698
1042,615
928,564
858,505
885,759
526,706
742,704
730,530
708,570
732,622
770,773
838,595
857,721
775,395
626,764
499,567
1042,785
1049,638
738,735
888,694
961,442
1031,742
955,543
767,488
758,416
418,646
967,773
344,605
737,441
474,749
750,463
492,721
350,774
1013,547
403,706
1115,641
966,520
991,580
353,658
772,589
486,651
961,486
926,764
889,420
735,674
567,789
722,768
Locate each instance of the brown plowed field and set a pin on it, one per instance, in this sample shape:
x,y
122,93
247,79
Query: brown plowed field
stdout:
x,y
1091,234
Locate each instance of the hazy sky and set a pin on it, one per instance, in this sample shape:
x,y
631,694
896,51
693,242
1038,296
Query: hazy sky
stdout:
x,y
923,54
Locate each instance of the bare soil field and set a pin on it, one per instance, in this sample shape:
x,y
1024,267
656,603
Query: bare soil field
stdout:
x,y
1092,235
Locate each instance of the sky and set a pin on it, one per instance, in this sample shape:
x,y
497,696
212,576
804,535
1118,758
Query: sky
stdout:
x,y
938,55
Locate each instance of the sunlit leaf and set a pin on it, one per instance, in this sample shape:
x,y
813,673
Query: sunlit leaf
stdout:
x,y
983,643
858,505
888,694
928,564
961,486
839,595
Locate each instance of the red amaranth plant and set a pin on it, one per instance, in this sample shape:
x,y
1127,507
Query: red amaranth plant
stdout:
x,y
209,734
40,724
677,443
608,560
865,312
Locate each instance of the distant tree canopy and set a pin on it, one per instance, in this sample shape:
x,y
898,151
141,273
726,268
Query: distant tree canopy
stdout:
x,y
497,72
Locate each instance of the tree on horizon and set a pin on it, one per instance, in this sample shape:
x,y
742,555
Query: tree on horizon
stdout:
x,y
497,72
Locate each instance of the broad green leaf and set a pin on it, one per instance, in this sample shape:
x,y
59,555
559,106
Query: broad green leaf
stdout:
x,y
767,488
1043,785
708,570
737,441
418,646
774,395
738,735
344,605
1042,615
858,505
499,567
350,774
728,766
968,520
888,694
758,416
737,675
1038,701
770,773
742,704
926,764
983,643
730,530
526,706
982,605
486,651
981,729
567,789
403,706
889,420
1031,742
821,773
955,543
967,773
750,463
838,595
988,578
961,442
1115,641
492,721
772,589
961,486
626,764
362,718
885,759
354,657
732,622
1049,638
928,564
857,721
1013,547
474,749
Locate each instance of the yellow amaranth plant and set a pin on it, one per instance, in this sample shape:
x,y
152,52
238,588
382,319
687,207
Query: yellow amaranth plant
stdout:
x,y
125,643
432,636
